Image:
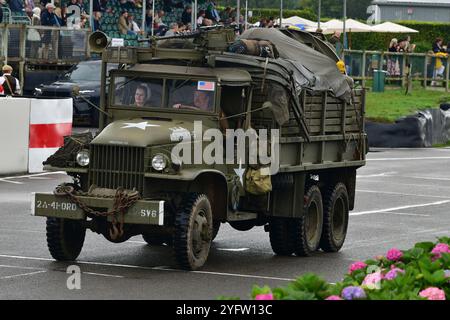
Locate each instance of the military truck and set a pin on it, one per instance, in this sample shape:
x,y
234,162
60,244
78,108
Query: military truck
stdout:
x,y
127,181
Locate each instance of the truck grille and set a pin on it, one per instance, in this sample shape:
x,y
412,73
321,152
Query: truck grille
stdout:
x,y
116,166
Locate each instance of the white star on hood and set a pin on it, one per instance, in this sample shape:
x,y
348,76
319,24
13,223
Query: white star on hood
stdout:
x,y
140,125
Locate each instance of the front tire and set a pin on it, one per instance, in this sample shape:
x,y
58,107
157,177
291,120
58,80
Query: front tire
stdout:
x,y
65,238
336,216
281,237
193,232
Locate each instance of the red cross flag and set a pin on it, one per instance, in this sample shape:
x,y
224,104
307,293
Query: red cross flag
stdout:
x,y
50,122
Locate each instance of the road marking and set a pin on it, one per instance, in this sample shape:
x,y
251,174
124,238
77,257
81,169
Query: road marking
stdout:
x,y
406,184
151,268
233,250
400,208
408,159
377,175
13,182
401,194
102,275
33,175
22,275
426,178
410,214
19,267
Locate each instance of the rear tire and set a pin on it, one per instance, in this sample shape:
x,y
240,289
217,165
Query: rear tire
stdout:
x,y
281,237
307,230
65,238
193,232
335,220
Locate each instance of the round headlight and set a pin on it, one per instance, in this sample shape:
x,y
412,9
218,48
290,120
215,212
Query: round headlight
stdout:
x,y
83,158
159,162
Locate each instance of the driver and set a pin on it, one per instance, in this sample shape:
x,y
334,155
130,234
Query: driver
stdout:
x,y
202,101
142,95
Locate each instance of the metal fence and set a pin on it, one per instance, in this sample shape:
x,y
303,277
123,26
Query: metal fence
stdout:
x,y
22,45
428,69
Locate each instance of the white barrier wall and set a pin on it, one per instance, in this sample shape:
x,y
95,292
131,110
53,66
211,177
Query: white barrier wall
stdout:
x,y
14,133
50,121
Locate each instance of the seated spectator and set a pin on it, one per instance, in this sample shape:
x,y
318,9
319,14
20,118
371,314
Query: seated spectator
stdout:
x,y
159,19
123,23
173,30
97,18
201,17
16,5
186,16
225,16
437,45
133,26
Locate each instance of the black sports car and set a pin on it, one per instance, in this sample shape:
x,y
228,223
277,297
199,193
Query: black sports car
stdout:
x,y
86,76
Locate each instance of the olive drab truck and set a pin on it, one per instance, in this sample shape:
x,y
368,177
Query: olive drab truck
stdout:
x,y
146,171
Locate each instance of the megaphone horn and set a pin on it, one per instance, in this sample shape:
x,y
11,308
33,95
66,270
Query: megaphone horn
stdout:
x,y
98,41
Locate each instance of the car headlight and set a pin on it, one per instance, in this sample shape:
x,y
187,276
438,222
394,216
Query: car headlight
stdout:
x,y
159,162
37,91
83,158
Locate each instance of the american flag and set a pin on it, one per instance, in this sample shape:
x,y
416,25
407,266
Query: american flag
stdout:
x,y
206,86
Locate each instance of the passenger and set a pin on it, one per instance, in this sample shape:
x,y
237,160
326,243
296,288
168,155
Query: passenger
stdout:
x,y
142,96
202,102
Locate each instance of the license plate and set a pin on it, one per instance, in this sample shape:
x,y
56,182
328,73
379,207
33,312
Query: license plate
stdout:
x,y
142,212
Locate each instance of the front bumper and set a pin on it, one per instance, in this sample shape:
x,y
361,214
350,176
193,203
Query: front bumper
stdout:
x,y
142,212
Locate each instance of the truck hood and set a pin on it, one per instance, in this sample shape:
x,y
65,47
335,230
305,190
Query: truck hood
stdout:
x,y
144,133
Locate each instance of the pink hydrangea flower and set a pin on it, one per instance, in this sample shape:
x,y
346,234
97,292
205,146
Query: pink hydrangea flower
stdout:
x,y
439,249
372,281
334,298
393,273
433,293
394,254
267,296
356,266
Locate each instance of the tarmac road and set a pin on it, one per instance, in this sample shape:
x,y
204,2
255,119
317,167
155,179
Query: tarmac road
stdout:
x,y
403,196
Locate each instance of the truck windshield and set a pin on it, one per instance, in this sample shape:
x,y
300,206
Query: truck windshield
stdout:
x,y
186,94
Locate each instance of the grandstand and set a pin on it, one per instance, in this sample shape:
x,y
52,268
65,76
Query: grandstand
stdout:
x,y
110,18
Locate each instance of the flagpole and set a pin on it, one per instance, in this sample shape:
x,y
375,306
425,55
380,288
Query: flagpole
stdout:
x,y
319,14
195,15
281,14
153,17
345,19
144,5
246,14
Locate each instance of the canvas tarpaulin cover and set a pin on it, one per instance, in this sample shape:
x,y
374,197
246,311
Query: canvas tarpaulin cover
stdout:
x,y
311,68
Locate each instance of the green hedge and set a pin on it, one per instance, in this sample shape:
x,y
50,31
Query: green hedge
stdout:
x,y
428,32
266,13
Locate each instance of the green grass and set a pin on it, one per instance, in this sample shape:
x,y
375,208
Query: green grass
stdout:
x,y
390,105
442,145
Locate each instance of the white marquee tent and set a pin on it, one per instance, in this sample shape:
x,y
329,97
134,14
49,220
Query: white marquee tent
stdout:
x,y
390,27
